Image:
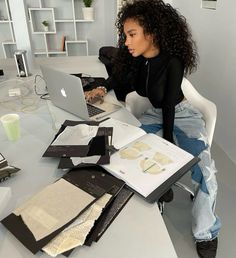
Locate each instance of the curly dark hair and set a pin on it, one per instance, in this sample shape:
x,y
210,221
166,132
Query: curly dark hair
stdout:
x,y
168,27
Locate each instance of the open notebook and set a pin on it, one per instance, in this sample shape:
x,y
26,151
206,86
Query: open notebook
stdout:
x,y
147,163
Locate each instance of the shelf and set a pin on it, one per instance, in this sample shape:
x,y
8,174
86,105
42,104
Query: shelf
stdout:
x,y
45,32
5,32
9,48
57,52
64,20
40,51
84,20
40,54
209,4
77,48
37,16
4,14
5,21
8,43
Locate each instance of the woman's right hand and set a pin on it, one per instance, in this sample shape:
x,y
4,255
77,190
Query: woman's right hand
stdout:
x,y
95,95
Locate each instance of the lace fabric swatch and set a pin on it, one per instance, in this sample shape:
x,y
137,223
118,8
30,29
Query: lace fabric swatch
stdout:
x,y
80,134
75,235
53,207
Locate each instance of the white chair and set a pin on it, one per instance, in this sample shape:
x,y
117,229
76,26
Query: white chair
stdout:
x,y
137,105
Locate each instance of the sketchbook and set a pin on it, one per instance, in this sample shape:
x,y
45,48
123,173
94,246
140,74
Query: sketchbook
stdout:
x,y
148,164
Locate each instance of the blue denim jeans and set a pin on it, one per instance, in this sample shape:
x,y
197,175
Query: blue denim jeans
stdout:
x,y
190,135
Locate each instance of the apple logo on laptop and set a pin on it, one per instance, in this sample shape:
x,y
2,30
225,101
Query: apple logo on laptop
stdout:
x,y
63,92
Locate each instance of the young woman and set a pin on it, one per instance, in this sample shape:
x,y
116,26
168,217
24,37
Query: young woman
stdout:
x,y
155,51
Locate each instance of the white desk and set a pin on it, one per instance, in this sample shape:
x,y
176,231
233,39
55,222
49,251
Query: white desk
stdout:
x,y
137,232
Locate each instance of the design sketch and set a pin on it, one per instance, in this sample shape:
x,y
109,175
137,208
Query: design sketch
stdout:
x,y
141,146
129,153
154,165
150,166
162,159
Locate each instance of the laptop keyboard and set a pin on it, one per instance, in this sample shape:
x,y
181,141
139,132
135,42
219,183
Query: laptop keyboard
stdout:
x,y
92,110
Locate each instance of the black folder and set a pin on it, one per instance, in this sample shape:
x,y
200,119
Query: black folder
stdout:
x,y
97,145
159,191
66,162
108,215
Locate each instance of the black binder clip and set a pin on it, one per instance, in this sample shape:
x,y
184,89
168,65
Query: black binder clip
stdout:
x,y
111,149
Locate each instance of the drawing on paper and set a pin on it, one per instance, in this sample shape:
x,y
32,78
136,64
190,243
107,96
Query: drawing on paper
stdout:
x,y
129,153
162,159
153,166
141,146
150,166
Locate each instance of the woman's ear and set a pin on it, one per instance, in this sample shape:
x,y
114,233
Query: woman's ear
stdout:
x,y
153,41
150,38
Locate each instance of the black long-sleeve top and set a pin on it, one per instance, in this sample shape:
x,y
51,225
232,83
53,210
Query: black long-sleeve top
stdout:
x,y
158,78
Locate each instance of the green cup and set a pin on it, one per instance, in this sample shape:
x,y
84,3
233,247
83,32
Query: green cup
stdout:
x,y
11,124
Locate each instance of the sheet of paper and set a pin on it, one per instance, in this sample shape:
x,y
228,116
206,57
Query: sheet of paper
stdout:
x,y
147,163
75,234
53,207
91,159
123,133
76,135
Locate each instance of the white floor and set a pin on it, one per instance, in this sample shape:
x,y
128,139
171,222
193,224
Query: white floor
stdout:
x,y
177,214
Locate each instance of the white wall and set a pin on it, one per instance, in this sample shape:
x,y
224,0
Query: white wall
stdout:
x,y
101,32
215,34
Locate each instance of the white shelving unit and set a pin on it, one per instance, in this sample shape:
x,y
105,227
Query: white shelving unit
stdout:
x,y
65,20
7,37
63,37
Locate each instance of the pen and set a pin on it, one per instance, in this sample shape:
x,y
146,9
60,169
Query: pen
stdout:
x,y
149,167
103,119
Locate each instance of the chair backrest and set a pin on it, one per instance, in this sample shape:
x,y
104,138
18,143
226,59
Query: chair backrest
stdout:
x,y
137,105
205,106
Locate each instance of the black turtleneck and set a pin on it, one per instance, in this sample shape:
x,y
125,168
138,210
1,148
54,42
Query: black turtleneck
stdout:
x,y
158,78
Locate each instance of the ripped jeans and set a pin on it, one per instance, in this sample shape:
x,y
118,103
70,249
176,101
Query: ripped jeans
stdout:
x,y
190,135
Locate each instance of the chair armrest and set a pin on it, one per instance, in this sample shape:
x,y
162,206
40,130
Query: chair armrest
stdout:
x,y
137,104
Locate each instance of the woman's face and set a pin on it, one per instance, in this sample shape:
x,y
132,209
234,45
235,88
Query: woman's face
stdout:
x,y
137,42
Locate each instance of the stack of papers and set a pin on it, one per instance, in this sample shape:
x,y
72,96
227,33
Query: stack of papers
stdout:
x,y
73,211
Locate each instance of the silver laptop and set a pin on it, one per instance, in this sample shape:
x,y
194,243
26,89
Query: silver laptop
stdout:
x,y
66,92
